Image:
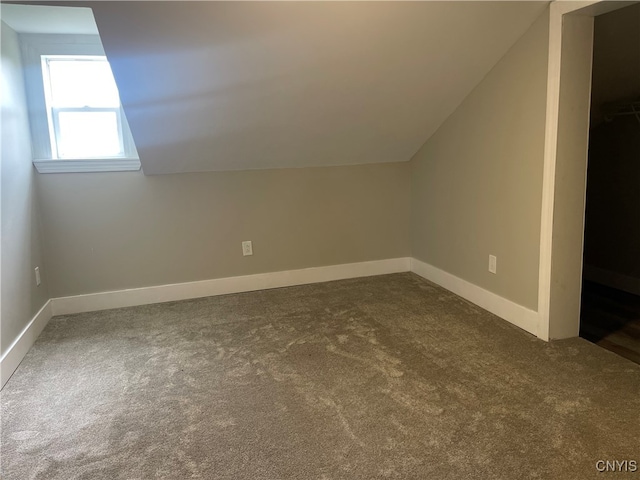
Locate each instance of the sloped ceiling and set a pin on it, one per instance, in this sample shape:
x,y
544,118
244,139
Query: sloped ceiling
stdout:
x,y
48,19
251,85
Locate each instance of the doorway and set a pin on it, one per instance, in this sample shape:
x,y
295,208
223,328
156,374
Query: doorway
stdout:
x,y
610,300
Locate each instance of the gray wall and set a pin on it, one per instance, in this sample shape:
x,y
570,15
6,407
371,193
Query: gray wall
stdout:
x,y
111,231
476,190
477,182
21,251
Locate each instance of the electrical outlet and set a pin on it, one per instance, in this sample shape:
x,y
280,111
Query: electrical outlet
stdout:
x,y
493,267
247,248
38,280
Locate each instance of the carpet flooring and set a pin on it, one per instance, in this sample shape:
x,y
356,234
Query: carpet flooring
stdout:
x,y
380,377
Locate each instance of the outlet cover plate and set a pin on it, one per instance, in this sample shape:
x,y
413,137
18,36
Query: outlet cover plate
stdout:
x,y
493,264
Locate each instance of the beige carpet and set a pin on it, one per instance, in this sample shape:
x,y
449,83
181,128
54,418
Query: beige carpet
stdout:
x,y
383,377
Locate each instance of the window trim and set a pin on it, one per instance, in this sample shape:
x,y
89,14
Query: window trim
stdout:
x,y
33,47
93,165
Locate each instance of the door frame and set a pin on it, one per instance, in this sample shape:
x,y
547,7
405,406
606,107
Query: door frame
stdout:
x,y
565,164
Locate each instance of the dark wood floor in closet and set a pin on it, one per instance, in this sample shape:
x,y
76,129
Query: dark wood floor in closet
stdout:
x,y
610,318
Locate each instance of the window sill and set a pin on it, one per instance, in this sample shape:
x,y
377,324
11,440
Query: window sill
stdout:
x,y
93,165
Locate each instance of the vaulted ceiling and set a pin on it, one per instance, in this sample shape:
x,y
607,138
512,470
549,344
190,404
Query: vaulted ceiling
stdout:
x,y
249,85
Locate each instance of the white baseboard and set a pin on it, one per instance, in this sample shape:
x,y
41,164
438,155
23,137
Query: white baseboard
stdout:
x,y
221,286
517,314
612,279
506,309
19,348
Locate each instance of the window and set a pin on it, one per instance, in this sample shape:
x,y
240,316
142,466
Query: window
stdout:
x,y
77,122
83,107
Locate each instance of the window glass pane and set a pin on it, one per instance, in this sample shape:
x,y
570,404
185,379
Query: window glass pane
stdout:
x,y
82,83
88,134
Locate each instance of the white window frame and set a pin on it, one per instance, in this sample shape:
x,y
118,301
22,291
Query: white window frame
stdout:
x,y
35,49
53,113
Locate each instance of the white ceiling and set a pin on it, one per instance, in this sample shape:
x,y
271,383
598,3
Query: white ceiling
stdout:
x,y
252,85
